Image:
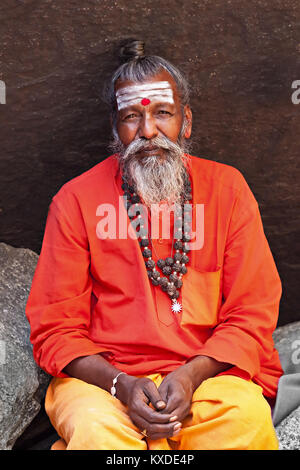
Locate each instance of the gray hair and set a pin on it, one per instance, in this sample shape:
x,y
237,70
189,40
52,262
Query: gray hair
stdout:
x,y
137,67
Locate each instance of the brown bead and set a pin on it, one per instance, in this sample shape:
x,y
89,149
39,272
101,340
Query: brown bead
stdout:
x,y
161,263
171,290
176,294
167,270
177,257
155,282
147,253
135,199
127,195
186,237
183,270
163,281
150,264
185,259
186,248
173,277
169,261
178,283
176,267
178,234
155,274
178,245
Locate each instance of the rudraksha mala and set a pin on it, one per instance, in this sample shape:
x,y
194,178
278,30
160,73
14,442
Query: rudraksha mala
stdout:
x,y
166,273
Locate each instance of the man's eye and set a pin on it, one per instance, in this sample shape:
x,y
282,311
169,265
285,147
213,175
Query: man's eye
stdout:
x,y
130,116
163,111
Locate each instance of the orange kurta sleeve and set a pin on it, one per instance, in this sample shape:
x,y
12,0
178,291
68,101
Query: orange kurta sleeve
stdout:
x,y
251,291
59,304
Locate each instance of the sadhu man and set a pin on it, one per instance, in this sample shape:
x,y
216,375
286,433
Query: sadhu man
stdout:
x,y
156,342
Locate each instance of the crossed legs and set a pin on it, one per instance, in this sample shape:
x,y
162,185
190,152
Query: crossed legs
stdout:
x,y
227,412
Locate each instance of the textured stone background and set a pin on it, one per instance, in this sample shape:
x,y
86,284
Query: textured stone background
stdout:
x,y
22,383
241,58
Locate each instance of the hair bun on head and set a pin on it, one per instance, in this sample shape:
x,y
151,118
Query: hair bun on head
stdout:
x,y
132,49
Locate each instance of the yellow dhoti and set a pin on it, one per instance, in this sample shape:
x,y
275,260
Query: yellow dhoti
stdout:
x,y
227,412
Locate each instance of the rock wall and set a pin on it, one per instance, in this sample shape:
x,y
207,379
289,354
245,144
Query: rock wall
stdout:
x,y
22,383
241,59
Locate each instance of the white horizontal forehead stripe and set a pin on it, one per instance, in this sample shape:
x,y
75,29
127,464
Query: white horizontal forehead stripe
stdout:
x,y
144,87
158,91
140,96
146,93
132,102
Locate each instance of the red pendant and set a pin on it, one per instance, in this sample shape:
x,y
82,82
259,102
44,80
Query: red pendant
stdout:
x,y
145,101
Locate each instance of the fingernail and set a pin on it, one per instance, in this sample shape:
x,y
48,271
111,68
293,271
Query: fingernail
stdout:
x,y
176,432
177,426
173,418
160,404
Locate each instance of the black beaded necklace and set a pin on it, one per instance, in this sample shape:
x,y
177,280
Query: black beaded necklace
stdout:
x,y
171,269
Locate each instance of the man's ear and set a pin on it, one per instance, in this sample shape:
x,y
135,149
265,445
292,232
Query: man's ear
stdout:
x,y
189,119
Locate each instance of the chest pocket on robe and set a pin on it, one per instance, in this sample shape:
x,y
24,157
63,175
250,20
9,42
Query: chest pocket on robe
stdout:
x,y
201,298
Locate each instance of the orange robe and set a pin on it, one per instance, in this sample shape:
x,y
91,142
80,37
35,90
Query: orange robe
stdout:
x,y
91,295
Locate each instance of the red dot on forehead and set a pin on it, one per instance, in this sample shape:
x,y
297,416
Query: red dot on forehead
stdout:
x,y
145,101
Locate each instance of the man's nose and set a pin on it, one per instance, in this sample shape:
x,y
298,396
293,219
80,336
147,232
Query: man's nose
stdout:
x,y
148,129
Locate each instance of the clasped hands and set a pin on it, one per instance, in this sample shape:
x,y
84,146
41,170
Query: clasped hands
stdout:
x,y
171,402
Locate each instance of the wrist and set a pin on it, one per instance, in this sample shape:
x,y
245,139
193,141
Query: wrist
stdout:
x,y
193,369
201,368
123,387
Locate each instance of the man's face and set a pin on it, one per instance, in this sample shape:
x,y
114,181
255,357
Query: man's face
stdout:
x,y
157,114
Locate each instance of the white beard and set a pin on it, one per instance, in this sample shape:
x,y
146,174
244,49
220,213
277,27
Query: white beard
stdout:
x,y
155,180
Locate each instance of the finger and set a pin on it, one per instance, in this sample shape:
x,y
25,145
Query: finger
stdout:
x,y
163,390
176,405
176,431
151,391
150,415
167,393
154,430
180,410
170,396
139,403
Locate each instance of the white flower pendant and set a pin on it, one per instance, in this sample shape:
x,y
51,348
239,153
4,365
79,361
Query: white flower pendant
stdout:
x,y
176,307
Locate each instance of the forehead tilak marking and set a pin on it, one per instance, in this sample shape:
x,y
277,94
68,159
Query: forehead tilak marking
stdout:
x,y
143,87
133,94
153,95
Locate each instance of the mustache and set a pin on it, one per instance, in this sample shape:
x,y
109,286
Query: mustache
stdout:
x,y
140,144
